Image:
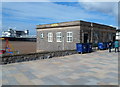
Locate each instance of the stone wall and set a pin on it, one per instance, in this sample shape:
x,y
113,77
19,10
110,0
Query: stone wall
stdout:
x,y
44,45
34,56
83,32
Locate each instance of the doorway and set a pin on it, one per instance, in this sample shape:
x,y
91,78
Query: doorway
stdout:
x,y
114,38
85,38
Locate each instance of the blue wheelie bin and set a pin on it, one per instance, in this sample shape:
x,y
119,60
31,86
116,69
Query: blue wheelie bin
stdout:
x,y
101,46
81,47
89,47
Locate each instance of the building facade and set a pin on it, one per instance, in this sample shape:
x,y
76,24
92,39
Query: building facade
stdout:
x,y
118,34
65,35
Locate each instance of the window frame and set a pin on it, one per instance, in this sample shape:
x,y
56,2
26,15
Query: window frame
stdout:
x,y
41,35
69,36
110,36
59,35
50,37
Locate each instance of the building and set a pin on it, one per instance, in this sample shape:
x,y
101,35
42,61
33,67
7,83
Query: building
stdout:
x,y
15,33
118,34
18,35
9,33
65,35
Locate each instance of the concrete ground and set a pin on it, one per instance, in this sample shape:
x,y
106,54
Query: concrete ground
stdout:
x,y
96,68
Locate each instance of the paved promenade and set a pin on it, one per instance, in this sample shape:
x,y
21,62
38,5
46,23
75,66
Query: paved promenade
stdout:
x,y
97,68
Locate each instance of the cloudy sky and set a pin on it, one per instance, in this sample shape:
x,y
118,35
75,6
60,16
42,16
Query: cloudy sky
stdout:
x,y
26,15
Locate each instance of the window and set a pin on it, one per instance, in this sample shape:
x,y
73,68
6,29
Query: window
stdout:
x,y
69,36
42,35
95,37
50,37
110,36
59,37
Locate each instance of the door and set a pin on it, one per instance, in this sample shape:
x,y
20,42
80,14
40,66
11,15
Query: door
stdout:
x,y
85,38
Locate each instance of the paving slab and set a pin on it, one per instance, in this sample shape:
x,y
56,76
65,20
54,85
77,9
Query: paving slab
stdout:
x,y
96,68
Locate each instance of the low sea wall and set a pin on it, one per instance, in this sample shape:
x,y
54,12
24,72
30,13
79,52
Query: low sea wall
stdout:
x,y
34,56
21,39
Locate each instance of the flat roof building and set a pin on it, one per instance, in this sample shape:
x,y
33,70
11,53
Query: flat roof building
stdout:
x,y
65,35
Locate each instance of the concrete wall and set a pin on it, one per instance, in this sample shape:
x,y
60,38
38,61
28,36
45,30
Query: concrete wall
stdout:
x,y
23,47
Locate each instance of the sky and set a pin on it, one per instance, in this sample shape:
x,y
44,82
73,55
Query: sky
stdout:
x,y
26,15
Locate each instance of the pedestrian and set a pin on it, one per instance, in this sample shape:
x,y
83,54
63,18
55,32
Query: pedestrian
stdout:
x,y
110,46
116,45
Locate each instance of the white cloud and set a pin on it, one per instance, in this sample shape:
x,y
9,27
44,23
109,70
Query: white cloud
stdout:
x,y
47,10
104,7
27,15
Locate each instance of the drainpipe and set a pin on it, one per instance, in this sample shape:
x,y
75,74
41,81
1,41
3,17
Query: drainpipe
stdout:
x,y
80,35
91,32
63,43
